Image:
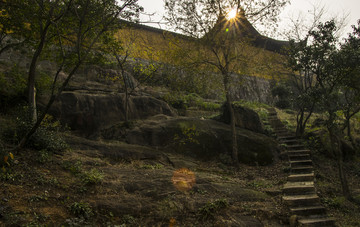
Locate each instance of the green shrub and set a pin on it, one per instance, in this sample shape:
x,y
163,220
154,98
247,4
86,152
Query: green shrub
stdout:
x,y
93,176
81,209
46,137
74,167
43,156
336,202
176,100
188,135
283,93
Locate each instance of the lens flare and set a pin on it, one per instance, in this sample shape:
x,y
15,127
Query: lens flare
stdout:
x,y
183,179
231,14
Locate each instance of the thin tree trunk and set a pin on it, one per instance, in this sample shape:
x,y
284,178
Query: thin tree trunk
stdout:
x,y
234,150
344,182
32,73
31,85
348,132
53,97
126,105
127,97
299,126
336,146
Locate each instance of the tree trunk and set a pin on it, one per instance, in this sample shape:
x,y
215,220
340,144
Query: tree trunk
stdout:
x,y
126,105
234,150
299,124
348,126
31,84
343,179
127,96
53,97
336,146
32,73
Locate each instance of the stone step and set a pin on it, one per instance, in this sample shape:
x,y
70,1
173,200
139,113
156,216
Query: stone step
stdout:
x,y
287,137
298,152
301,163
299,188
301,200
317,221
301,177
295,147
308,210
282,135
289,141
298,157
302,169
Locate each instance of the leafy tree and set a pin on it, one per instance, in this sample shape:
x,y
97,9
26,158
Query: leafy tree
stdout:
x,y
349,59
124,48
44,16
324,61
299,53
87,23
332,73
303,81
13,29
217,44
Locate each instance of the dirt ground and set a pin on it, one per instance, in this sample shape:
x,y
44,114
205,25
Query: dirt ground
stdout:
x,y
88,185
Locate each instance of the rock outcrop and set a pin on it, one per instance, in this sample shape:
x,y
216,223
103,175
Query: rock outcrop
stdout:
x,y
202,139
244,118
89,112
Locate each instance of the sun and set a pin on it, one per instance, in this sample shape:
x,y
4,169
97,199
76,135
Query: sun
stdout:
x,y
231,14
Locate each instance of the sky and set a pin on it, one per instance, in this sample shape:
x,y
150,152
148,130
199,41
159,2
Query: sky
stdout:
x,y
337,8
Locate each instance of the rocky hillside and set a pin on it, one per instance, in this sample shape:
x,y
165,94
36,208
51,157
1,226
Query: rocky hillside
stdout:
x,y
167,166
158,169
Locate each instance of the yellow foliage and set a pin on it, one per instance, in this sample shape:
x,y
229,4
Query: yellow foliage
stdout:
x,y
167,47
27,26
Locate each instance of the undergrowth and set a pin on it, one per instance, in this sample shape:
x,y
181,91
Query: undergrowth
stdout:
x,y
47,136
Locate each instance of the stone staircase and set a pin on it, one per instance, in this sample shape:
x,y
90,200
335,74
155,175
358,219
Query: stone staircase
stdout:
x,y
299,192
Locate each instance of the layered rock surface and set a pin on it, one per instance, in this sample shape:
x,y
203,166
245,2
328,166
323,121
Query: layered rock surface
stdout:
x,y
203,138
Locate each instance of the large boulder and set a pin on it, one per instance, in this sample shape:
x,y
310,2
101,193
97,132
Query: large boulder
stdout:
x,y
90,112
244,118
203,139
